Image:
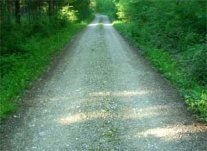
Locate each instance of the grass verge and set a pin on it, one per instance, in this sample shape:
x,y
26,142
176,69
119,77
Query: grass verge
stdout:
x,y
194,94
28,67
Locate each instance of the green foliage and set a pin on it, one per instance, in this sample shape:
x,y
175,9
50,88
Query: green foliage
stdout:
x,y
197,101
166,24
106,7
195,62
40,17
10,40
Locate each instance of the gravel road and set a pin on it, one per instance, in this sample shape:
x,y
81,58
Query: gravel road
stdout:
x,y
102,96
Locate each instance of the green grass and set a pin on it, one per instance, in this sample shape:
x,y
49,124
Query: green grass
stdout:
x,y
194,94
28,67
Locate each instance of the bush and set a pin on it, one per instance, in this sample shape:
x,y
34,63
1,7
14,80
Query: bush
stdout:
x,y
197,101
7,64
11,39
42,27
199,67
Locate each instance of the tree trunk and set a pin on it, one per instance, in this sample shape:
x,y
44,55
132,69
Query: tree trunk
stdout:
x,y
50,7
17,12
2,11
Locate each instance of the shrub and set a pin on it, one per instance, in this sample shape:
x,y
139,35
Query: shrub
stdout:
x,y
42,27
11,39
199,66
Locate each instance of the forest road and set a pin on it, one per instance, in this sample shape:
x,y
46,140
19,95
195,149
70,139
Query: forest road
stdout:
x,y
103,96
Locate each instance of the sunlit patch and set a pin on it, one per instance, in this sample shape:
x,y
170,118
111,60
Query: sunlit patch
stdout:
x,y
172,132
59,98
120,93
107,24
140,113
81,117
64,98
68,13
147,112
93,24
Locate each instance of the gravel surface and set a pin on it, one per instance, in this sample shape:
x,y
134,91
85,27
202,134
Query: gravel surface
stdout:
x,y
103,96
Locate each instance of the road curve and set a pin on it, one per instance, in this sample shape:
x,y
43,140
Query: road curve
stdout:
x,y
103,96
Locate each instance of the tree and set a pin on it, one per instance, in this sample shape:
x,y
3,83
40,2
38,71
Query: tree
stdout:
x,y
50,7
17,11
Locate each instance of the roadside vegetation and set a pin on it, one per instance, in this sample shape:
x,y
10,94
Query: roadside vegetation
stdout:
x,y
31,32
172,35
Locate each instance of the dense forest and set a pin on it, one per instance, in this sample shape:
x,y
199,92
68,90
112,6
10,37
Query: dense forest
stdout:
x,y
172,35
31,32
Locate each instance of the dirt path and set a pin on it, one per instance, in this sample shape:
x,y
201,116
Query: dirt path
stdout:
x,y
103,96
